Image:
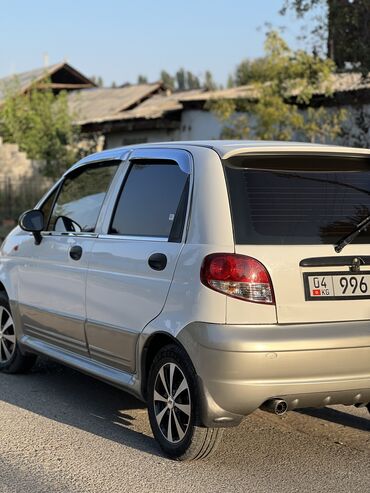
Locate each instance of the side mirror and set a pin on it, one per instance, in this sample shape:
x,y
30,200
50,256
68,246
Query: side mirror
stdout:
x,y
33,221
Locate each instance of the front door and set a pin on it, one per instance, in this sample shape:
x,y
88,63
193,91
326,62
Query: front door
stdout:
x,y
132,264
52,282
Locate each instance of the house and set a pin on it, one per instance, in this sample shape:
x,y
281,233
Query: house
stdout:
x,y
150,113
58,77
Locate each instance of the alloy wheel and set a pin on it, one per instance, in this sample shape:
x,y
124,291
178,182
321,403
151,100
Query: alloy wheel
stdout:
x,y
7,336
172,403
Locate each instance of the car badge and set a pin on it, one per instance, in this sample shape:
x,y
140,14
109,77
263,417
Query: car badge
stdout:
x,y
356,264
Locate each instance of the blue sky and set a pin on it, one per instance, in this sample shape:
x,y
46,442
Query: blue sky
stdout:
x,y
119,39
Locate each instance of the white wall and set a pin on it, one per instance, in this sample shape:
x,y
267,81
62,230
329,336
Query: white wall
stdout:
x,y
204,125
199,125
119,139
357,127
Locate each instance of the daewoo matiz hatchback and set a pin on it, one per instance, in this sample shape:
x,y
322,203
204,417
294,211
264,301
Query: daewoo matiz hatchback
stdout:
x,y
207,278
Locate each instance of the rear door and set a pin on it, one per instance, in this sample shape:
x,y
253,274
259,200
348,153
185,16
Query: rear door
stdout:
x,y
289,212
133,262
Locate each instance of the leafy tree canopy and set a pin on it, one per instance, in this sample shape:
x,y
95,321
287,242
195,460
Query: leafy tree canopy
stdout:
x,y
282,83
340,28
142,79
41,124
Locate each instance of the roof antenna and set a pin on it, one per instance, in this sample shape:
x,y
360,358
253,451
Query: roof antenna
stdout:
x,y
46,59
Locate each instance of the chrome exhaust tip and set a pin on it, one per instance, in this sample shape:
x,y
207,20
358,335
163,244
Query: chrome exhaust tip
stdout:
x,y
275,406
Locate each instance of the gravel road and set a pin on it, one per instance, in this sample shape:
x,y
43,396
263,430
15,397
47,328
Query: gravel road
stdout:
x,y
61,431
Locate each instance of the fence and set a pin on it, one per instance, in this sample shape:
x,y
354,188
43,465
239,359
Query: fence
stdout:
x,y
16,196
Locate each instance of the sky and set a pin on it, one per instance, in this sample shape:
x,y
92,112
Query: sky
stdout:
x,y
120,39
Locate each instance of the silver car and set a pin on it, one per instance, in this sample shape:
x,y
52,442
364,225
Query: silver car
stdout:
x,y
207,278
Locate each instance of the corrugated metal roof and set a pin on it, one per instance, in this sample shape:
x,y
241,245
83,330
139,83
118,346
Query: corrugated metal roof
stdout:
x,y
24,80
339,83
350,82
105,104
158,105
108,105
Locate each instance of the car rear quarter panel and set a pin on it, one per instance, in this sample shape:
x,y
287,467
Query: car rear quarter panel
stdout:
x,y
209,231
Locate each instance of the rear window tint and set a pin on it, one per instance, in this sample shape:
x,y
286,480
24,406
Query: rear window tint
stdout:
x,y
299,206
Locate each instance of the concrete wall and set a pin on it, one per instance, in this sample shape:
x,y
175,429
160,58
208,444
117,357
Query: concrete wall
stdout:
x,y
14,164
356,127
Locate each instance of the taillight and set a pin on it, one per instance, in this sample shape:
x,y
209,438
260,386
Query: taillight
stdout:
x,y
238,276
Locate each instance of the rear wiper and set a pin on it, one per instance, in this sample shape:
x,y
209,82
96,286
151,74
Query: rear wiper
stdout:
x,y
351,236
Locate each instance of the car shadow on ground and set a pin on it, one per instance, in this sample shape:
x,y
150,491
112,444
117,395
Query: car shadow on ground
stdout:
x,y
70,397
338,417
67,396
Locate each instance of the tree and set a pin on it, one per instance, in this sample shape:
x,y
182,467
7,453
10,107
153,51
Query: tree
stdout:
x,y
251,71
185,80
230,82
180,78
41,124
167,80
209,83
142,79
282,84
192,81
342,25
97,80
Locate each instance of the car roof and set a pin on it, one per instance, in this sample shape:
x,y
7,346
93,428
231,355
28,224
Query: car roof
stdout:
x,y
227,148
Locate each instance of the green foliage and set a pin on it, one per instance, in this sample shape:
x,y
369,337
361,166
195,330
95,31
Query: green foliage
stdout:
x,y
180,78
251,71
97,80
230,82
322,125
209,83
349,36
40,123
282,83
168,80
301,7
185,80
340,27
142,79
192,81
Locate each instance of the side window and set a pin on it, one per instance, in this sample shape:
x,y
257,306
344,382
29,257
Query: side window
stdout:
x,y
48,204
81,197
153,201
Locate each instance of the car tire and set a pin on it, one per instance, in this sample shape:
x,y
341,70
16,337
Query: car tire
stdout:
x,y
173,407
12,360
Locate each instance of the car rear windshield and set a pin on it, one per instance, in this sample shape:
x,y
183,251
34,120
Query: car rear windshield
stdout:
x,y
293,200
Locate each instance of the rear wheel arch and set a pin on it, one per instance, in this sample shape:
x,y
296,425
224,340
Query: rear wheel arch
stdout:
x,y
150,350
3,289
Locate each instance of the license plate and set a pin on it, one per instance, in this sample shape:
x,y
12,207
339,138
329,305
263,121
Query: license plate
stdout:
x,y
320,286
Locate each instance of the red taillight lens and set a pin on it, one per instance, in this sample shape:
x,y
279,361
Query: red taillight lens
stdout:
x,y
238,276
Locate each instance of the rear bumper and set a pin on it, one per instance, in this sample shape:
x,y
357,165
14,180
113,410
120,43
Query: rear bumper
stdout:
x,y
240,367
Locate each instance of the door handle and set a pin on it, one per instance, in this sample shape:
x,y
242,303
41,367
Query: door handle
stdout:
x,y
157,261
75,252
